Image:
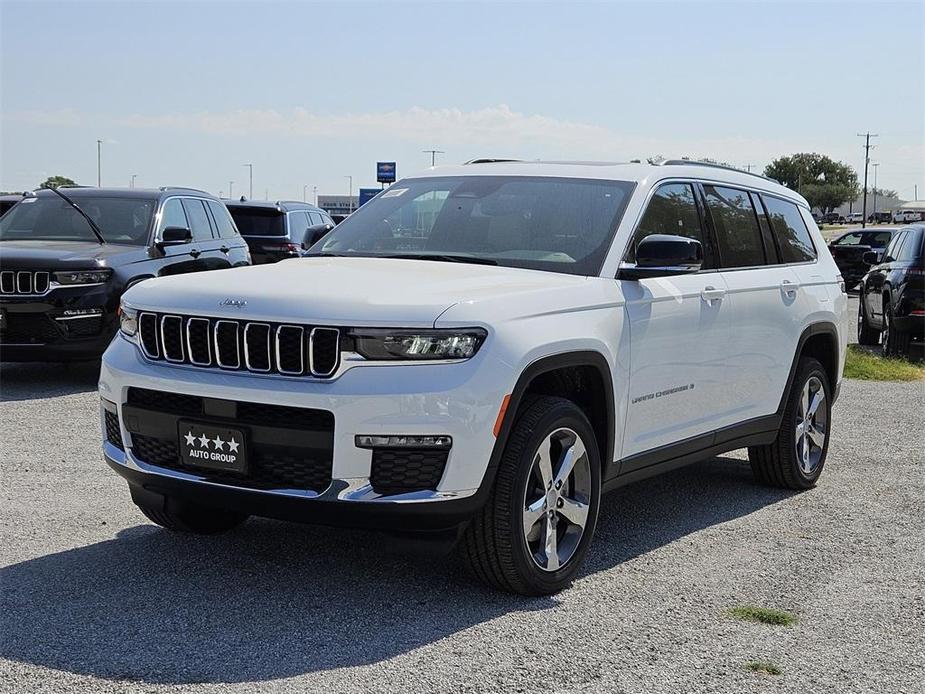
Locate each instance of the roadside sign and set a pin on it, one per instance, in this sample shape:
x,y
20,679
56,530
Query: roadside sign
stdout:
x,y
385,172
367,194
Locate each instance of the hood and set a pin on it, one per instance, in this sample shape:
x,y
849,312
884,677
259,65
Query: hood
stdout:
x,y
53,255
344,291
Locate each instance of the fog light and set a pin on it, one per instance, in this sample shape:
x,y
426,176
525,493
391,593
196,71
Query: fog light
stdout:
x,y
403,441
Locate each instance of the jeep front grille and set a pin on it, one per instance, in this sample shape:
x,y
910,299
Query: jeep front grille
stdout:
x,y
24,282
290,350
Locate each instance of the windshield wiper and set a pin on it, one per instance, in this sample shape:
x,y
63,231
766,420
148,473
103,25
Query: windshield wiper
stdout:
x,y
96,230
444,257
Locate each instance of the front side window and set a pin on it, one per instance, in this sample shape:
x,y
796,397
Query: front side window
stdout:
x,y
198,219
737,232
123,220
172,215
672,210
543,223
793,237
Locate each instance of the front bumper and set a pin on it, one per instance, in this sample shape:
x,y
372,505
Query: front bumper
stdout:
x,y
459,400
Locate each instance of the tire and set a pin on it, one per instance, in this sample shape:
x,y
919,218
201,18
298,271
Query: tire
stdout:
x,y
193,518
895,343
498,549
780,463
866,334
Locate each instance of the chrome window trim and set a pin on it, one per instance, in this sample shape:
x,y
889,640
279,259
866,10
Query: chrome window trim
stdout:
x,y
189,346
247,358
237,345
301,351
164,344
311,353
141,341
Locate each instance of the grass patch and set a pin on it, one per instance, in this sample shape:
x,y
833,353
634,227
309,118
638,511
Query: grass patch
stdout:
x,y
861,364
765,615
763,667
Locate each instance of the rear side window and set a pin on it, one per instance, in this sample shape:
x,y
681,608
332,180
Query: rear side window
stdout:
x,y
222,220
893,249
848,240
672,210
256,221
912,247
198,219
793,237
737,233
877,239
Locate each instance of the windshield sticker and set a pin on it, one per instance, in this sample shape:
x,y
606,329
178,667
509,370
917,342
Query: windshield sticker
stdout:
x,y
28,200
394,192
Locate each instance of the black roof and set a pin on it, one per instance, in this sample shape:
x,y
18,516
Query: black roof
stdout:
x,y
281,205
136,193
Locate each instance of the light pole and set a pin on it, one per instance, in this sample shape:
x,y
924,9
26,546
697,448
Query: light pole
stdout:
x,y
350,195
230,187
433,155
250,190
305,192
875,165
315,193
99,163
132,184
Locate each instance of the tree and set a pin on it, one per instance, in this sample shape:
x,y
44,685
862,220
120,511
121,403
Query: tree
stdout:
x,y
57,182
824,182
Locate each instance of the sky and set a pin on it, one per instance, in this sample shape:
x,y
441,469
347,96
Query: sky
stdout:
x,y
311,93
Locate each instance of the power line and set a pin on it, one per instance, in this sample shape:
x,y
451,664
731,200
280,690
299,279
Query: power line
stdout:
x,y
867,147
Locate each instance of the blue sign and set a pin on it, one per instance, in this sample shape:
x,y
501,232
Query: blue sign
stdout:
x,y
367,194
385,172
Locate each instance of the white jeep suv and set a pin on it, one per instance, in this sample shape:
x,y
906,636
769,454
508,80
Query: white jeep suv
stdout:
x,y
479,352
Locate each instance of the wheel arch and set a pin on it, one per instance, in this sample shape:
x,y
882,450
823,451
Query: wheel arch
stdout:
x,y
593,393
820,341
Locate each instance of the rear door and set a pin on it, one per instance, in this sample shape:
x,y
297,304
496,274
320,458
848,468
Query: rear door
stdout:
x,y
232,245
679,331
764,296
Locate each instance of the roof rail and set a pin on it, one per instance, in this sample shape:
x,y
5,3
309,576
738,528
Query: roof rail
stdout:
x,y
710,164
489,160
194,190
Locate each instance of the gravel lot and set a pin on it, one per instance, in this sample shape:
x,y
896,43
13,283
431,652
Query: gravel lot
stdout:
x,y
96,599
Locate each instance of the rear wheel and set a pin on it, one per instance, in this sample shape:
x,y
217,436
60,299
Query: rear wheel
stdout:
x,y
192,518
794,460
866,334
895,343
532,534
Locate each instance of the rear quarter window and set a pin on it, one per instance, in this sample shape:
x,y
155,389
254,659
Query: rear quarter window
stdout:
x,y
223,221
796,245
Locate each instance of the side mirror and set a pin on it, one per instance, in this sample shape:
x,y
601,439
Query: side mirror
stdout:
x,y
660,255
174,236
870,257
315,233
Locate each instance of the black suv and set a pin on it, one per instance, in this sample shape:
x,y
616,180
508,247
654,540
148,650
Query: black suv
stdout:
x,y
67,256
892,301
279,230
850,249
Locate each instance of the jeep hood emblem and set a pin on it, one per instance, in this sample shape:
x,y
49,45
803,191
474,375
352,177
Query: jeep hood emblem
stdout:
x,y
237,303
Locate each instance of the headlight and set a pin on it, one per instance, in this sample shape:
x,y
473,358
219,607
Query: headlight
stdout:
x,y
83,276
418,344
128,320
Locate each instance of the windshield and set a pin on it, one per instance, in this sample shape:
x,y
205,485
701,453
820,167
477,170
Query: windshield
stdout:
x,y
254,221
543,223
120,219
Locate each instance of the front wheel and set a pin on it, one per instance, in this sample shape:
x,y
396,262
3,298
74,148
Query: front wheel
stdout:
x,y
532,534
795,458
866,334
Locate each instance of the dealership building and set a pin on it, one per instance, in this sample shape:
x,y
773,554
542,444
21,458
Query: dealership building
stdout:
x,y
338,204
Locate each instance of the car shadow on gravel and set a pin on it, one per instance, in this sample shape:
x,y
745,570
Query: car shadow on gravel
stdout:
x,y
35,381
275,600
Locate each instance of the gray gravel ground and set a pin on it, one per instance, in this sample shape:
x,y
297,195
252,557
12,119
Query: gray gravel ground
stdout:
x,y
96,599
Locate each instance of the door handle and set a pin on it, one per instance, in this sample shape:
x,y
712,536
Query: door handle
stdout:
x,y
711,294
224,249
195,252
789,288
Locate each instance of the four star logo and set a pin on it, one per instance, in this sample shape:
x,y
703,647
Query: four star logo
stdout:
x,y
218,442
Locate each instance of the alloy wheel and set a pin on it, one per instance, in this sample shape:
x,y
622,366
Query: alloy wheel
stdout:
x,y
812,425
557,499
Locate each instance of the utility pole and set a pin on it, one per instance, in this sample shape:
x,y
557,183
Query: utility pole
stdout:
x,y
99,163
867,147
230,187
305,193
875,165
433,155
315,193
250,189
132,184
350,194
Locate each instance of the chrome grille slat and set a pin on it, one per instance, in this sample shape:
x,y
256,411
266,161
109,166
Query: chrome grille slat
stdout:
x,y
218,342
23,279
25,282
8,282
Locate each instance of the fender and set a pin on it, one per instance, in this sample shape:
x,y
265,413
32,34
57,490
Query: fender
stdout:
x,y
820,328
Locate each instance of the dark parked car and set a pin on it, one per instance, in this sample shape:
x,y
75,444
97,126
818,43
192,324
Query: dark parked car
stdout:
x,y
833,218
848,250
892,301
7,201
279,230
67,256
880,218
